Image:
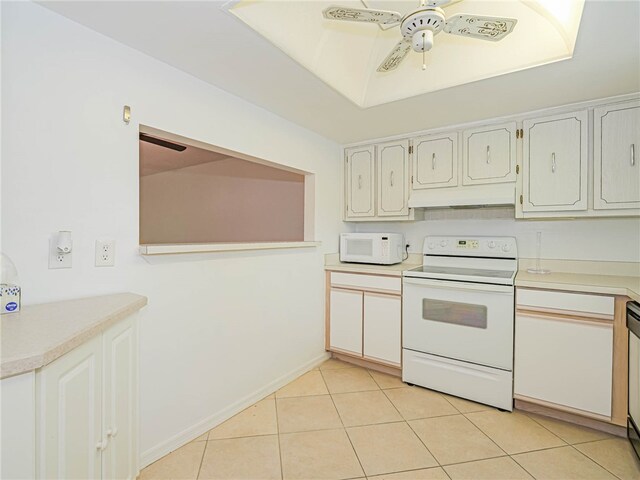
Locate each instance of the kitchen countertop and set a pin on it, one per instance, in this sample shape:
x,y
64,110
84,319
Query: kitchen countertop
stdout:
x,y
332,262
39,334
582,282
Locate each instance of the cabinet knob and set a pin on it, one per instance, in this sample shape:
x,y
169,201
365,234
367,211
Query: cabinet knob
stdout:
x,y
391,178
100,446
112,432
433,161
359,182
488,154
553,162
633,154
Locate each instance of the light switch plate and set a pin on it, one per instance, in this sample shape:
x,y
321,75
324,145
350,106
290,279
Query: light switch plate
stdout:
x,y
57,259
105,253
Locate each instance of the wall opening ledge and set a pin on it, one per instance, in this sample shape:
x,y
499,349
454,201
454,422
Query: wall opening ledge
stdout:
x,y
169,249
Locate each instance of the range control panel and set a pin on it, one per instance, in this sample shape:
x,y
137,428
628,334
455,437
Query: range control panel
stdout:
x,y
503,247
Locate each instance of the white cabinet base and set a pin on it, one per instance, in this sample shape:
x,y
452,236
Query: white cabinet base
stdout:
x,y
490,386
18,427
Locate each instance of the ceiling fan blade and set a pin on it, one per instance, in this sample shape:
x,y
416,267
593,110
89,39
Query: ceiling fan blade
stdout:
x,y
396,56
366,15
476,26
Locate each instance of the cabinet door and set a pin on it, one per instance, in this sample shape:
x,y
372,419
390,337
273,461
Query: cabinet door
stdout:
x,y
120,400
489,154
616,156
563,361
435,161
555,163
346,321
382,327
393,178
69,394
360,176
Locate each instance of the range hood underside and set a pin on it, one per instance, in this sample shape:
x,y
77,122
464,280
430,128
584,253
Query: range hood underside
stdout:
x,y
464,197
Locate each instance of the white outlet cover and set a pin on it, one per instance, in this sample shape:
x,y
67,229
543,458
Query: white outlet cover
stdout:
x,y
56,259
105,253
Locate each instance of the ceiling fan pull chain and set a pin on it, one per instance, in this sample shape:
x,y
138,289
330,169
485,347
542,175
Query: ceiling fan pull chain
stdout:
x,y
424,54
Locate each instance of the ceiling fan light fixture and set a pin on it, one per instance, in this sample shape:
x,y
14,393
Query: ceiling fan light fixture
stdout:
x,y
422,41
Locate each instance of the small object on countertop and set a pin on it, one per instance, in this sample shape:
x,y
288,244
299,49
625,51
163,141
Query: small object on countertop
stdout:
x,y
9,288
538,270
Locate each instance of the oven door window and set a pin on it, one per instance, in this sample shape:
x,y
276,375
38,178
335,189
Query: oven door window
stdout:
x,y
463,314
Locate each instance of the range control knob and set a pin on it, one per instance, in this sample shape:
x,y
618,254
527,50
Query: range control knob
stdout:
x,y
506,247
431,245
443,243
492,244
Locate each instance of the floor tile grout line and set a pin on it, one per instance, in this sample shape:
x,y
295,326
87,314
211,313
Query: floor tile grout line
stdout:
x,y
425,445
204,451
344,429
595,461
496,444
573,425
275,401
484,433
522,466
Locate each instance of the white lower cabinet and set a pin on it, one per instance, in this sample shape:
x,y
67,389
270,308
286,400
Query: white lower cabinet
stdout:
x,y
564,363
86,404
364,319
382,319
346,321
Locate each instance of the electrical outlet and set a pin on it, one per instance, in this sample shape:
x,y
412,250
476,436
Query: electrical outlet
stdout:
x,y
57,259
105,253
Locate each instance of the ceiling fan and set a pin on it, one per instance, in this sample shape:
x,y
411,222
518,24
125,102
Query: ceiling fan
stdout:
x,y
419,26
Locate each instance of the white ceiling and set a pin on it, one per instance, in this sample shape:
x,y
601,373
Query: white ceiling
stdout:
x,y
346,55
208,42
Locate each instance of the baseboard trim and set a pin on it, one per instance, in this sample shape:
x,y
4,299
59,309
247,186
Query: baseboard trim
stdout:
x,y
187,435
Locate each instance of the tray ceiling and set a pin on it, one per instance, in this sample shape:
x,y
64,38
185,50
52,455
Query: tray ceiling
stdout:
x,y
210,43
346,55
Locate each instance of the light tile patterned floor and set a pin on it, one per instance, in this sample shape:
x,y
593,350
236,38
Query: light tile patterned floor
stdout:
x,y
345,422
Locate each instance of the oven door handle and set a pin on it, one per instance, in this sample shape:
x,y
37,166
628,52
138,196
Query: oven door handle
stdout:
x,y
453,285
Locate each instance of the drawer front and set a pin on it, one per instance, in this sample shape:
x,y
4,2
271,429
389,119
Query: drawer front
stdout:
x,y
366,282
563,302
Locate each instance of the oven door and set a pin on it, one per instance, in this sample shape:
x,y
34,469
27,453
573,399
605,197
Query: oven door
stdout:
x,y
465,321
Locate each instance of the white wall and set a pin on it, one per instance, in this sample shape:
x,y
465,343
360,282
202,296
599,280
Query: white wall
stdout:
x,y
612,239
218,327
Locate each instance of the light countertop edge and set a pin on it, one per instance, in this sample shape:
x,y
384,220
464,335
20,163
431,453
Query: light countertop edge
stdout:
x,y
581,282
40,334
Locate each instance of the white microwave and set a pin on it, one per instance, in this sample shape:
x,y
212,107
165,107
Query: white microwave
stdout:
x,y
377,248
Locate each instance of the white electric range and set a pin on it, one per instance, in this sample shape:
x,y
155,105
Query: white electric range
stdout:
x,y
458,318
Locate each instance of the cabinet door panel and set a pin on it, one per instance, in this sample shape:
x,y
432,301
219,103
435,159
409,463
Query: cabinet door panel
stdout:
x,y
346,321
489,154
120,387
393,185
435,161
70,414
360,181
382,327
555,163
616,156
566,362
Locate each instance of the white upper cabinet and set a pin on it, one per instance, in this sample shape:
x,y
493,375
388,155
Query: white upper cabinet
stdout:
x,y
435,161
555,163
360,175
393,178
489,154
616,156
